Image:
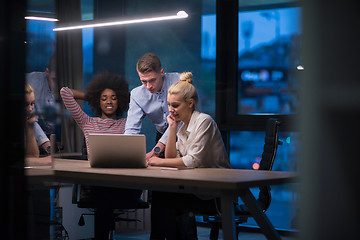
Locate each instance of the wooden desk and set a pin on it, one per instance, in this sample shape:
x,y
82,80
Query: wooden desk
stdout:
x,y
224,183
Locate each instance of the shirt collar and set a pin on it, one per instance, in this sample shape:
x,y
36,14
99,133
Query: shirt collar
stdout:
x,y
193,118
161,92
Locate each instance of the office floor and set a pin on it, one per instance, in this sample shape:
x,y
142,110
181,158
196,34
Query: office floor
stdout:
x,y
203,234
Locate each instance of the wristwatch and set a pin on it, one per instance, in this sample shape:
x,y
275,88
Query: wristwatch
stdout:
x,y
48,150
157,151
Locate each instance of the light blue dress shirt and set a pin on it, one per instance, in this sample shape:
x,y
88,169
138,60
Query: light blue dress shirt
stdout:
x,y
154,105
44,98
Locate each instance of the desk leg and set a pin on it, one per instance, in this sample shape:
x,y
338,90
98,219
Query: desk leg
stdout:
x,y
259,216
227,213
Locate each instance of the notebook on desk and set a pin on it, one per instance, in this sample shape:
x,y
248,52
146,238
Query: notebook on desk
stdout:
x,y
117,151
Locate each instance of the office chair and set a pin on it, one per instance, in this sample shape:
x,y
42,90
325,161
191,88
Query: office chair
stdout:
x,y
82,196
268,156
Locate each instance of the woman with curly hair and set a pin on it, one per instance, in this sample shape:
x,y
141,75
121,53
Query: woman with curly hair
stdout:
x,y
108,95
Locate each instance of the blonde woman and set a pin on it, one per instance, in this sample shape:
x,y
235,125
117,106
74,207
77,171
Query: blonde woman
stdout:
x,y
31,147
197,144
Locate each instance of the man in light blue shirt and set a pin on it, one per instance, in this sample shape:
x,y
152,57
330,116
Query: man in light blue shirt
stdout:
x,y
44,85
150,100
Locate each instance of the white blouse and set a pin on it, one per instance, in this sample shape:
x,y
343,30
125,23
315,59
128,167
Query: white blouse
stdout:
x,y
200,143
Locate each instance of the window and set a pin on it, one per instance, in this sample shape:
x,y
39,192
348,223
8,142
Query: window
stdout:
x,y
208,62
269,42
87,13
40,39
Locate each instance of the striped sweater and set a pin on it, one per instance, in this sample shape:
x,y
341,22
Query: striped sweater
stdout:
x,y
90,124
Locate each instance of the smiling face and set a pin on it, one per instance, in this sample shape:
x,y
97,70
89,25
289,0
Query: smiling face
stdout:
x,y
153,81
179,109
108,104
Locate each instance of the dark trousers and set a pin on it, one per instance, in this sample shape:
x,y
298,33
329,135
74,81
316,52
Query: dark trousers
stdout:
x,y
38,214
105,200
173,215
169,219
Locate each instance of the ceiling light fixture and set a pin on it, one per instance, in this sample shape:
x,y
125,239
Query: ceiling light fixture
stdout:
x,y
41,18
300,67
95,23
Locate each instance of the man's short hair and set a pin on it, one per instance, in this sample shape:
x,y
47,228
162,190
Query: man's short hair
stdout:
x,y
149,62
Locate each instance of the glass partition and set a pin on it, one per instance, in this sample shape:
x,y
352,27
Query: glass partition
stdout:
x,y
269,40
40,69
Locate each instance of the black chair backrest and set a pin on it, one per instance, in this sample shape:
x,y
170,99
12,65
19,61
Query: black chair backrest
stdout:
x,y
268,157
271,144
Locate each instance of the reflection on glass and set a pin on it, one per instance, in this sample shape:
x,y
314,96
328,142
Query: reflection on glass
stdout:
x,y
40,46
269,53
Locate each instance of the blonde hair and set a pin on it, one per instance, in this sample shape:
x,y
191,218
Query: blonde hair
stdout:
x,y
28,88
184,88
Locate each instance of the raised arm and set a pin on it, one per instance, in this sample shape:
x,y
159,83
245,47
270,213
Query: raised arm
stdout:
x,y
31,147
79,95
170,150
171,159
68,96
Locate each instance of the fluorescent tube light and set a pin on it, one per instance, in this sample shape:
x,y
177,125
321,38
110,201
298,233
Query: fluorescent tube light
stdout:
x,y
41,18
93,23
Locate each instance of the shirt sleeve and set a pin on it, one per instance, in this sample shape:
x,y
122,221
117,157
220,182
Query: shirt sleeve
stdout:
x,y
200,144
135,117
163,138
40,136
73,107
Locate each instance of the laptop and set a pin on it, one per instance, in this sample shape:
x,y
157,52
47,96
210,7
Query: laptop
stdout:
x,y
117,151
